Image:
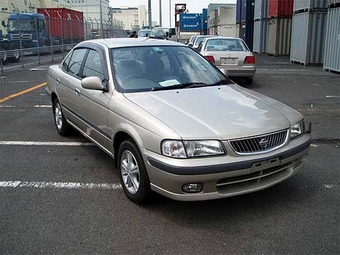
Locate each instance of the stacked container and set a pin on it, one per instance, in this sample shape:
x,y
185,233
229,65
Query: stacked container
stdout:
x,y
238,16
227,21
332,44
260,26
308,31
280,27
247,22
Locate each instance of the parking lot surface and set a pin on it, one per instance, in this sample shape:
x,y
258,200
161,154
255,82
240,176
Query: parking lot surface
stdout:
x,y
62,195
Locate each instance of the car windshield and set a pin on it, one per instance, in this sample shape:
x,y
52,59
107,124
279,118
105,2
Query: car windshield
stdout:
x,y
139,69
200,39
144,33
225,44
157,33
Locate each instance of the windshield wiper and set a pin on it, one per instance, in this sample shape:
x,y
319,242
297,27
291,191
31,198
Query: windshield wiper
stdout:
x,y
181,86
222,82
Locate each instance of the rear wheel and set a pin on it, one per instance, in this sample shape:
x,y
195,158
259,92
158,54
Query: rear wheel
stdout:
x,y
60,122
133,175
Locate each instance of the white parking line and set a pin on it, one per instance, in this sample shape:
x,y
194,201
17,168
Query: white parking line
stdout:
x,y
58,185
26,106
30,143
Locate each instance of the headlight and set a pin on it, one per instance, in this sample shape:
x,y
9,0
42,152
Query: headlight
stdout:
x,y
191,149
297,129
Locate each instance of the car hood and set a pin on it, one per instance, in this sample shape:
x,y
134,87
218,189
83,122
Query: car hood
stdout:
x,y
217,112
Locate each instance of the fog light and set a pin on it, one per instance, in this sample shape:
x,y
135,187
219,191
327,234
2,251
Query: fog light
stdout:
x,y
192,187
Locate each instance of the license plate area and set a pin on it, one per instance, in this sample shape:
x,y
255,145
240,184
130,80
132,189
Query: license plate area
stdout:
x,y
261,165
229,61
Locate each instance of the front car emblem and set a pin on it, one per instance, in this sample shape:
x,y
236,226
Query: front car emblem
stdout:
x,y
263,143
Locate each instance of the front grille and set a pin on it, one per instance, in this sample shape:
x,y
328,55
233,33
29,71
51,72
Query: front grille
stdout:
x,y
26,36
15,37
259,144
23,36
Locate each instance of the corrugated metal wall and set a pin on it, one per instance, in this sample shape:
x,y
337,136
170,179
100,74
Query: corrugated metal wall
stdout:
x,y
308,37
332,45
309,4
261,9
260,36
279,36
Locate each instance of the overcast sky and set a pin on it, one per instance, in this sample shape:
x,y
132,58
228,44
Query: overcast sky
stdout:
x,y
194,6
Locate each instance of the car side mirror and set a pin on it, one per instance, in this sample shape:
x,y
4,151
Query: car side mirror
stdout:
x,y
167,34
93,83
190,45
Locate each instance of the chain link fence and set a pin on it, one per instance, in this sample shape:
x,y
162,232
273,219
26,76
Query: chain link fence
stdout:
x,y
31,38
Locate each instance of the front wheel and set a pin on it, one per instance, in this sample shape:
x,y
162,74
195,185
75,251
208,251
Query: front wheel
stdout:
x,y
60,122
133,175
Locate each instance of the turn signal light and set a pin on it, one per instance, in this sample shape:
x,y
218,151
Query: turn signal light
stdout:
x,y
249,60
210,59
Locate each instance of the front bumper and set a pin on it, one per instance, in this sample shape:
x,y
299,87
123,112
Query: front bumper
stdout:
x,y
236,176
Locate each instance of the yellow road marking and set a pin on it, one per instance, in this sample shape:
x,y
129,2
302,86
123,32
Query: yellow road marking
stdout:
x,y
22,92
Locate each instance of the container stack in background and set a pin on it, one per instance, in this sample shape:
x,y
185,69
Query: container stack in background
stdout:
x,y
204,21
308,31
238,16
332,43
226,21
247,22
280,27
260,26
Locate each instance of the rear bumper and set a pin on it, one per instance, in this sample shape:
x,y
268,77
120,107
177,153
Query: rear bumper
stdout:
x,y
239,71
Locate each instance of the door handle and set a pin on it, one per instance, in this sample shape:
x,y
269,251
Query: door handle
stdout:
x,y
57,80
77,91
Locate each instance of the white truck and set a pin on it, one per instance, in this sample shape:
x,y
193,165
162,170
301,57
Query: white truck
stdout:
x,y
180,36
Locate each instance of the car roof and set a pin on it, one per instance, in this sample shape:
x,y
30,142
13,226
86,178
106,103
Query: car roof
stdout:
x,y
129,42
222,37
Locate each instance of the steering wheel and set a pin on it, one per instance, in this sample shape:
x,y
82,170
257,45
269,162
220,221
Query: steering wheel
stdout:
x,y
131,77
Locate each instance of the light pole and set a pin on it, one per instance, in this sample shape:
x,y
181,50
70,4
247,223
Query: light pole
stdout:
x,y
101,18
150,15
160,13
169,13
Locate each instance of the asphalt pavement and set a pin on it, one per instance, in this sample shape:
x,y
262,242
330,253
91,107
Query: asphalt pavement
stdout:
x,y
62,195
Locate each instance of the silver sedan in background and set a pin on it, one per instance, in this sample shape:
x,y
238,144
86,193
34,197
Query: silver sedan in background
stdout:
x,y
173,122
230,55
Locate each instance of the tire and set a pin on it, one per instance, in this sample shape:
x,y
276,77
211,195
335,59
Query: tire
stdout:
x,y
248,81
16,54
60,122
133,175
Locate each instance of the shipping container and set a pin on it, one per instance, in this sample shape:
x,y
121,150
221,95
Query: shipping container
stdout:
x,y
334,3
309,4
204,21
64,24
279,36
226,15
332,44
247,12
260,36
308,37
280,8
228,30
238,11
247,33
190,22
261,9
